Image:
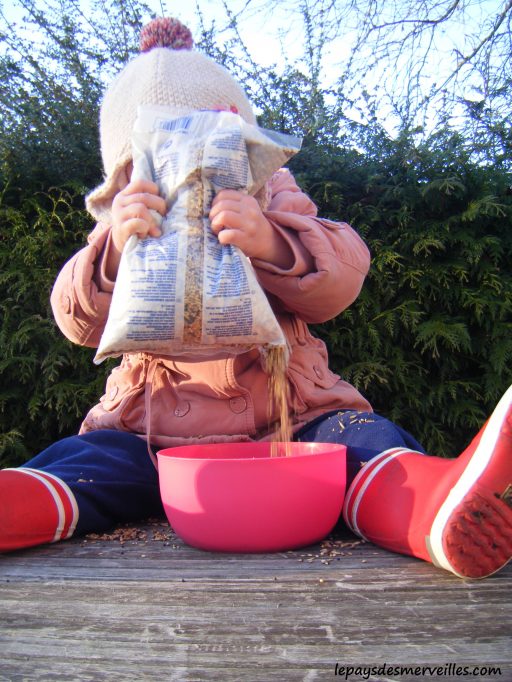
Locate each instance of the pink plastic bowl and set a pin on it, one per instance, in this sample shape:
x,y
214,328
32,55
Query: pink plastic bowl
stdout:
x,y
234,497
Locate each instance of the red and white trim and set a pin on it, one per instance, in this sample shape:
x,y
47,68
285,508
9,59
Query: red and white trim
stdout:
x,y
62,496
456,513
360,484
475,471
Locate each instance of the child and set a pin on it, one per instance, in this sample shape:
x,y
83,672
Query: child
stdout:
x,y
454,513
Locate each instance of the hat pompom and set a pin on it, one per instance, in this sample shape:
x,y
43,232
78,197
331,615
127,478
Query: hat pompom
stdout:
x,y
165,32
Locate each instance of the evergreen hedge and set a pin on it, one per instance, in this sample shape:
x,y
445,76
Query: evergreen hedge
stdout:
x,y
428,341
46,383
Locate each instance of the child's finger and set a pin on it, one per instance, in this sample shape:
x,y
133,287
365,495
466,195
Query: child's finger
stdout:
x,y
143,225
233,194
136,226
233,237
154,230
157,219
136,210
222,206
141,228
151,201
140,186
225,219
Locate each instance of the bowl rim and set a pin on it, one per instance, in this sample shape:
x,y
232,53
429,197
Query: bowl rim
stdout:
x,y
171,452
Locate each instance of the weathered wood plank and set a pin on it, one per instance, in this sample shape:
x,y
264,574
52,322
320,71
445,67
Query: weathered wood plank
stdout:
x,y
155,609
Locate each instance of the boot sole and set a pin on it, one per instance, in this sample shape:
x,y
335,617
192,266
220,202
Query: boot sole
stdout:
x,y
471,534
477,540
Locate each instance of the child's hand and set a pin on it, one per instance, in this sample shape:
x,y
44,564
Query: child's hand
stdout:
x,y
236,218
131,214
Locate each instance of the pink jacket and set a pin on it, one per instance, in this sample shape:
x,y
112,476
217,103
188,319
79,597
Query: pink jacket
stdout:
x,y
178,403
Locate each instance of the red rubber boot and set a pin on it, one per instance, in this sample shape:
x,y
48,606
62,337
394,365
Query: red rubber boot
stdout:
x,y
454,513
35,508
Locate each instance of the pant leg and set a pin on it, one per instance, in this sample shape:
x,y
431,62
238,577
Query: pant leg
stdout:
x,y
110,474
365,434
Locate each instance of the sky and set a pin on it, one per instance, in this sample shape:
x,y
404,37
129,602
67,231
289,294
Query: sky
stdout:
x,y
270,34
262,31
266,34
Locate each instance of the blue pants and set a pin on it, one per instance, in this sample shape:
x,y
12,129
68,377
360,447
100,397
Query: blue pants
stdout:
x,y
113,479
365,435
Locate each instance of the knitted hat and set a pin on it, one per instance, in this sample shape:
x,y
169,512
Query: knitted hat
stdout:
x,y
167,72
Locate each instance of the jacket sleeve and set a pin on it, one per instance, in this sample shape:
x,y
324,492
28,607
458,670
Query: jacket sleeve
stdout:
x,y
331,261
82,293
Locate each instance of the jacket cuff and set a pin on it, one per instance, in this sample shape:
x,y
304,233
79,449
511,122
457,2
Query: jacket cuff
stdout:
x,y
302,260
104,284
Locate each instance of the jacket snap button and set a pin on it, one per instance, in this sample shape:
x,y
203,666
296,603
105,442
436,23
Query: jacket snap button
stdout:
x,y
318,372
182,409
238,405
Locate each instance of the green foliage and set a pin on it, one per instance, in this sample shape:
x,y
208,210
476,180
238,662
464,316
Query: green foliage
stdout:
x,y
53,68
429,340
54,65
46,384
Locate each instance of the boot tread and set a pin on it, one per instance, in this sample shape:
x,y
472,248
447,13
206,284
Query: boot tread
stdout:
x,y
478,537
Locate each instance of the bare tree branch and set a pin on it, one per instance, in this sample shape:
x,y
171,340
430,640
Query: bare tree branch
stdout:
x,y
418,22
470,57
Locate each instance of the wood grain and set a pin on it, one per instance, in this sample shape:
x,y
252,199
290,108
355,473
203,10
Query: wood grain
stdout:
x,y
151,608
